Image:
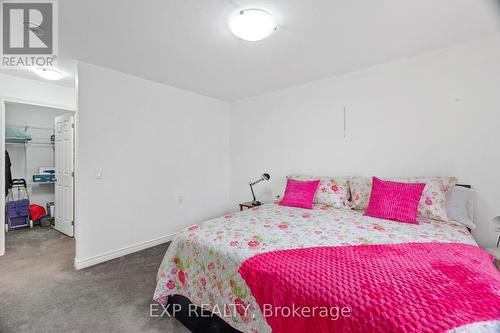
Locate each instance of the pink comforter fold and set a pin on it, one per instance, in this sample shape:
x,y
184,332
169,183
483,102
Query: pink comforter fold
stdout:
x,y
413,287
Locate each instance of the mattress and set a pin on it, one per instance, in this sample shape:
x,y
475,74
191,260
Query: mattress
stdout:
x,y
203,260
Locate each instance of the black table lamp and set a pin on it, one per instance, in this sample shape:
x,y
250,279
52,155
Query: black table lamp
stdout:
x,y
263,177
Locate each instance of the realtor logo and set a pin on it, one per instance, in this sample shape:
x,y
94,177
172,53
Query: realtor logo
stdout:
x,y
29,33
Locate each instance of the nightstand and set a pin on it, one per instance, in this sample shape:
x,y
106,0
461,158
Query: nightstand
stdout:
x,y
495,252
248,205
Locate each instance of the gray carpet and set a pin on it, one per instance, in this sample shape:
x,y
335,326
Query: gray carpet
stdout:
x,y
40,291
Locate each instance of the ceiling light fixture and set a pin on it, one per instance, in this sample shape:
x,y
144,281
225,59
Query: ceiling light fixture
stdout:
x,y
252,24
49,73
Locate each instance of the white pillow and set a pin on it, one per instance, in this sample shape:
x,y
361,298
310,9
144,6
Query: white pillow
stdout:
x,y
460,205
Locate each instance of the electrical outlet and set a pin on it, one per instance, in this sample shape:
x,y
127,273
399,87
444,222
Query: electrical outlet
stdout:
x,y
180,199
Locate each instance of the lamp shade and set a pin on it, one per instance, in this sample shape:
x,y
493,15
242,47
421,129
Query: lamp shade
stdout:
x,y
252,24
496,222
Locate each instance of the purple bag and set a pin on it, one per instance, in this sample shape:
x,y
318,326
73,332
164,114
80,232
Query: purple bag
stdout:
x,y
18,213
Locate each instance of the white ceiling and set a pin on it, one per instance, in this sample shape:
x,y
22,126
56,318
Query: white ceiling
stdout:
x,y
187,44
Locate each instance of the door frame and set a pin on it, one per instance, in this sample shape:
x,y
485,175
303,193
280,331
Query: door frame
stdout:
x,y
3,101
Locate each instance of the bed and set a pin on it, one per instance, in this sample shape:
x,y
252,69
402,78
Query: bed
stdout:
x,y
202,262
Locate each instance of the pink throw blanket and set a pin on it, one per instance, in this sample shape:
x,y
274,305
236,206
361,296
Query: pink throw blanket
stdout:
x,y
414,287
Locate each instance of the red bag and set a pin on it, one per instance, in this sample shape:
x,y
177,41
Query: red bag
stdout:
x,y
37,212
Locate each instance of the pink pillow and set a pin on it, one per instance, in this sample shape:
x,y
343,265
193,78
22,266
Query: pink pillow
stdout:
x,y
394,201
299,193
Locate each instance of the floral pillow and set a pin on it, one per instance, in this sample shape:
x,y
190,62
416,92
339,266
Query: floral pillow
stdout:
x,y
432,205
331,191
433,202
361,189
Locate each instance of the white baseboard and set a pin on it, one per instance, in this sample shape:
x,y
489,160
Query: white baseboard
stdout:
x,y
83,263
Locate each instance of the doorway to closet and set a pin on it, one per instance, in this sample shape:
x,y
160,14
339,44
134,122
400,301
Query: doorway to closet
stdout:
x,y
39,177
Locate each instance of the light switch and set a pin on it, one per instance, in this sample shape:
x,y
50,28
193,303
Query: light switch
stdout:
x,y
98,174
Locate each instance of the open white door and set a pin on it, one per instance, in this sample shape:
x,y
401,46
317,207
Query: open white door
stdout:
x,y
64,157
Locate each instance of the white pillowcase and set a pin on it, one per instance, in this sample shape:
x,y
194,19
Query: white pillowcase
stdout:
x,y
460,206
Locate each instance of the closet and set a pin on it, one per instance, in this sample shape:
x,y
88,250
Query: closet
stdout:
x,y
33,137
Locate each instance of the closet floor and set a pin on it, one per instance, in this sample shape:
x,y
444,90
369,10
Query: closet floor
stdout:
x,y
40,291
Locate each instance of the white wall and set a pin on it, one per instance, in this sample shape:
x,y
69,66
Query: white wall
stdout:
x,y
38,155
153,143
16,88
434,114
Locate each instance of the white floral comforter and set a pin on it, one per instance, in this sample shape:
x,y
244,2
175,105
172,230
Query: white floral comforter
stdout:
x,y
203,260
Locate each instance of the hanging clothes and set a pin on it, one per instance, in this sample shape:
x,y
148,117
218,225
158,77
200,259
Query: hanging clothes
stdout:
x,y
8,173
